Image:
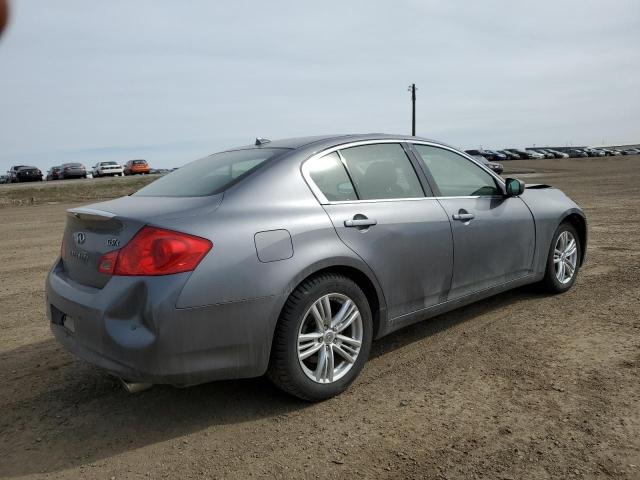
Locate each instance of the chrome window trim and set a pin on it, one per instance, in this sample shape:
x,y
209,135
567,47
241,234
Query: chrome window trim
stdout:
x,y
304,168
320,196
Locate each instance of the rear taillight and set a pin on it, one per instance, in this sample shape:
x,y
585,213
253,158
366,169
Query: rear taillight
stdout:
x,y
155,251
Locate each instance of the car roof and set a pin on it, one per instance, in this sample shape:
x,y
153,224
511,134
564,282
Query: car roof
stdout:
x,y
326,141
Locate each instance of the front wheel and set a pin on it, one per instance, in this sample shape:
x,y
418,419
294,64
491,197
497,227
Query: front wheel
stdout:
x,y
322,339
563,261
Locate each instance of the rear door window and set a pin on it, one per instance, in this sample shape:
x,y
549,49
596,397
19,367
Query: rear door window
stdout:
x,y
382,171
210,175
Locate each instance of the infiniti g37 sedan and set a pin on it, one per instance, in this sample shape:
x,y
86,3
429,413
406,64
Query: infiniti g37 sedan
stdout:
x,y
290,257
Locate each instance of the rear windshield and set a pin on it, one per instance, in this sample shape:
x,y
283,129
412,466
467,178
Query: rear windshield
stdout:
x,y
108,163
209,175
139,162
72,164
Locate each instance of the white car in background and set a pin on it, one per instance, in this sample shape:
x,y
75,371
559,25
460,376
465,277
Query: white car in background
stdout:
x,y
107,169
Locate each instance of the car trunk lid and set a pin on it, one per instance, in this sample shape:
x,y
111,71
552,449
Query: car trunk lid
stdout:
x,y
93,231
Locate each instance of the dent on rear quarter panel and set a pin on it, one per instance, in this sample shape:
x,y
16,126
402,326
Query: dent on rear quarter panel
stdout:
x,y
548,206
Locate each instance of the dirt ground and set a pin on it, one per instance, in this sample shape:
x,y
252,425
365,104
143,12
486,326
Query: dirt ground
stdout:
x,y
519,386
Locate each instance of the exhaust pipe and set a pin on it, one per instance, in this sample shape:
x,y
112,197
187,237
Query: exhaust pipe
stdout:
x,y
132,387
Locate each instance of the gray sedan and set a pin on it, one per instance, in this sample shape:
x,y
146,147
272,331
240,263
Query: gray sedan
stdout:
x,y
290,257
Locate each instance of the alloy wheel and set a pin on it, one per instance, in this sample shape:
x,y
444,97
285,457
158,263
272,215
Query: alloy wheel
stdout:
x,y
565,257
330,338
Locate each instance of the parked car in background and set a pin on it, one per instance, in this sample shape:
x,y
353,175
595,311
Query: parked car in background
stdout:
x,y
608,151
496,155
133,167
72,170
631,151
509,155
558,154
173,285
525,154
495,166
107,169
488,154
544,152
592,152
4,179
24,173
54,173
536,155
577,153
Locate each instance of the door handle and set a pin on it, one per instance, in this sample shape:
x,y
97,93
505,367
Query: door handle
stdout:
x,y
360,222
465,217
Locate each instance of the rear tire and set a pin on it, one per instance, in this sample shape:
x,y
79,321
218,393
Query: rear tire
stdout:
x,y
310,348
563,260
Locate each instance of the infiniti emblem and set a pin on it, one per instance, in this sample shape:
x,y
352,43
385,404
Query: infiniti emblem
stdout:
x,y
80,238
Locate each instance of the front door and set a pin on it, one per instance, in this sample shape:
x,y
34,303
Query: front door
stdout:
x,y
493,236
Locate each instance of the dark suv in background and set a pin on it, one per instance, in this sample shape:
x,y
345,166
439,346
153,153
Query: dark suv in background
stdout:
x,y
24,173
72,170
54,173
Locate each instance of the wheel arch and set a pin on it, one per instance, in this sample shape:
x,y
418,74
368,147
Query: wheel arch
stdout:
x,y
362,276
579,222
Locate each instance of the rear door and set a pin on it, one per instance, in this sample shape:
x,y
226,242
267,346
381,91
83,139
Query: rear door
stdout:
x,y
493,236
380,210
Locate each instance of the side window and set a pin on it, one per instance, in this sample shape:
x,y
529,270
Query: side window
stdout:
x,y
382,171
455,175
331,178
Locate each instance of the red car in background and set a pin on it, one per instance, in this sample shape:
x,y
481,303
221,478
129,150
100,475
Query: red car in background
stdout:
x,y
133,167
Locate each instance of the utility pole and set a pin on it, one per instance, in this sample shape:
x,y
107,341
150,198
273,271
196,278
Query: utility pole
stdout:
x,y
412,88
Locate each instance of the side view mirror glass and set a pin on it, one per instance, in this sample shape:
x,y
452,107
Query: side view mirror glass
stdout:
x,y
514,187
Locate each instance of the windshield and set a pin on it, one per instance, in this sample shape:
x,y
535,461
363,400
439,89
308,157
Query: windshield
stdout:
x,y
108,163
209,175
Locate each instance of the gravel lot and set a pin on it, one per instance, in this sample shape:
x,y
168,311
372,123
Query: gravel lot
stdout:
x,y
519,386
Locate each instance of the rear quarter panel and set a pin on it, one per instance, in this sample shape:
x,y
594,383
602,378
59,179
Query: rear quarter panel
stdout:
x,y
274,198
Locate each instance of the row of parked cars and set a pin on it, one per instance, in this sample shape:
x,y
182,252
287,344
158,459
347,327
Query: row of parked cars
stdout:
x,y
538,153
27,173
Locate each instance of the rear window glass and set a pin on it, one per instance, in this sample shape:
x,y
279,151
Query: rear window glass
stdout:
x,y
209,175
139,162
108,163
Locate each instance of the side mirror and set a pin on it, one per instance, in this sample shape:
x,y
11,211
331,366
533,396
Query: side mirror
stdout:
x,y
513,187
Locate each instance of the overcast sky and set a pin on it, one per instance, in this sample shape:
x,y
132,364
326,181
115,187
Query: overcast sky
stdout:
x,y
172,81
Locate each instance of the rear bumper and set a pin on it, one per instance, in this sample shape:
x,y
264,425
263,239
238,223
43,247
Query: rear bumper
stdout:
x,y
132,329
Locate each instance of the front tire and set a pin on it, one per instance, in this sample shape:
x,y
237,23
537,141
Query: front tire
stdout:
x,y
322,339
563,261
